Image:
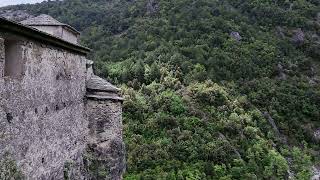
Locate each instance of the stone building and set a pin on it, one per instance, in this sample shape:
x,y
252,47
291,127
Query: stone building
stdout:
x,y
49,25
57,119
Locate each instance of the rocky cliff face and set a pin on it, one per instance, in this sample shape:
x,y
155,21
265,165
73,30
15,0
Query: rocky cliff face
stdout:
x,y
15,15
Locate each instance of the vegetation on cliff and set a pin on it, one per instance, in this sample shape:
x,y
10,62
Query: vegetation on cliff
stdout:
x,y
214,89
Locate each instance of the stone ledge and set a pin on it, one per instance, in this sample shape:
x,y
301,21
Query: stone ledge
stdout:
x,y
102,98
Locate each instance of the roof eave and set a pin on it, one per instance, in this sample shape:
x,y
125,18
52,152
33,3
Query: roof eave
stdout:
x,y
33,33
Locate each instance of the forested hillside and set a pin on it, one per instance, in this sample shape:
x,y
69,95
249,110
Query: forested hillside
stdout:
x,y
214,89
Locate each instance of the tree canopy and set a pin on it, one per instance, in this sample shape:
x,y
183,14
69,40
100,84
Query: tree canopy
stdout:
x,y
213,89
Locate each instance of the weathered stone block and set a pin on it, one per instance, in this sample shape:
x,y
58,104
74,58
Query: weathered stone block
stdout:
x,y
106,150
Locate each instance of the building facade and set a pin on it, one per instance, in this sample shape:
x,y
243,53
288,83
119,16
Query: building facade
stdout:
x,y
57,119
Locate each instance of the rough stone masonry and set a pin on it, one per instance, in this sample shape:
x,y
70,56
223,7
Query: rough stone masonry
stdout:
x,y
57,119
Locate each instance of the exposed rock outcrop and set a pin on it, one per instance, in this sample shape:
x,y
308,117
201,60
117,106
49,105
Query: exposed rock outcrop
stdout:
x,y
298,37
281,72
316,135
316,173
280,32
152,6
271,121
18,15
235,35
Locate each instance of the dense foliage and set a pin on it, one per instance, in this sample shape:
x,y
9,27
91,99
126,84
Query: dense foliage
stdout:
x,y
201,103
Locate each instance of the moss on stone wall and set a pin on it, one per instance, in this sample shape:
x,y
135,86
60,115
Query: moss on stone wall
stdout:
x,y
66,170
74,169
97,169
9,169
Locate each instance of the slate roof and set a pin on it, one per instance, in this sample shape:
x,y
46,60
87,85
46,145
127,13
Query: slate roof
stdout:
x,y
46,20
28,31
43,19
100,89
97,83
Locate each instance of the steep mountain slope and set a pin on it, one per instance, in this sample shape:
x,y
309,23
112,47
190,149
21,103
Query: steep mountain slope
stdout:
x,y
214,89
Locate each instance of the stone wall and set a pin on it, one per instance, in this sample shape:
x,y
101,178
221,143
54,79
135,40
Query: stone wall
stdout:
x,y
69,36
106,151
53,30
43,124
1,57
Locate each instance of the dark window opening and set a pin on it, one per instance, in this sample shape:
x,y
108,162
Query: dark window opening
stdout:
x,y
57,107
9,118
100,127
13,66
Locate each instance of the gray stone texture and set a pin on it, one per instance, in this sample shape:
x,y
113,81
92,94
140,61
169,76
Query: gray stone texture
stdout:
x,y
315,173
105,139
43,122
152,6
316,135
16,15
2,55
235,35
49,125
298,37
